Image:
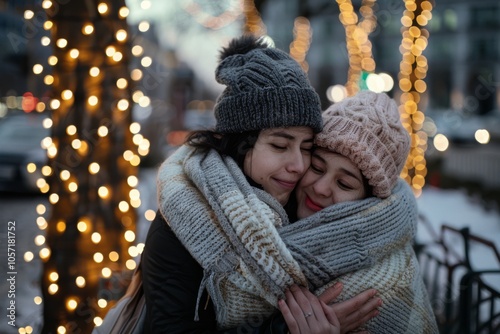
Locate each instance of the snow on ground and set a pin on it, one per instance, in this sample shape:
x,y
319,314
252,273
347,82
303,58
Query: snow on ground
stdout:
x,y
456,209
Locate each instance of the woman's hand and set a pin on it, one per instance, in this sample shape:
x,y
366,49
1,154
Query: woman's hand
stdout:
x,y
327,317
354,312
305,313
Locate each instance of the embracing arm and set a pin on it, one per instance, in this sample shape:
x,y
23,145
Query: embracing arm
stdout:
x,y
171,279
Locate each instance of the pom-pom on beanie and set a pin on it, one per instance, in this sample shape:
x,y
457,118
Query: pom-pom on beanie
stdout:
x,y
366,128
265,88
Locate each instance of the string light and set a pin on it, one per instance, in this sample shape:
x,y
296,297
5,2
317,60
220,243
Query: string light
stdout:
x,y
114,256
302,40
98,321
45,41
123,12
137,50
413,69
88,29
146,61
31,167
28,256
47,25
48,80
102,8
229,15
80,281
253,21
74,53
143,26
94,71
62,43
150,215
37,68
41,222
46,4
71,304
136,74
61,226
145,4
121,83
102,303
52,60
359,47
117,56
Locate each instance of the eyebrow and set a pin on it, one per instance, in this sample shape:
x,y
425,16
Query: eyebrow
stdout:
x,y
317,156
288,136
351,174
348,172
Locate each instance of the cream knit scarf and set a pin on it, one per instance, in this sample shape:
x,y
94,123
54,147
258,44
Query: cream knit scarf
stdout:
x,y
250,253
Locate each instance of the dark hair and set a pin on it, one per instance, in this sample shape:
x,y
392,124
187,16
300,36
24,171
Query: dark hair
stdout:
x,y
234,145
368,187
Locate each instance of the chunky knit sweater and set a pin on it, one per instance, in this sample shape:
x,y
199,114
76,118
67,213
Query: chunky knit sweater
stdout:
x,y
250,253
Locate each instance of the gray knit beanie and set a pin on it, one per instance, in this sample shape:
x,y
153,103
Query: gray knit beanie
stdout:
x,y
366,128
265,88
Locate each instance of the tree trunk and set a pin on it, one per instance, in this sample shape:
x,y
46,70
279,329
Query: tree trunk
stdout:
x,y
91,156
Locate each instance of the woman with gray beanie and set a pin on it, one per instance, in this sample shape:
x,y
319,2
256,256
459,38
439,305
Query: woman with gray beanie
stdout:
x,y
214,258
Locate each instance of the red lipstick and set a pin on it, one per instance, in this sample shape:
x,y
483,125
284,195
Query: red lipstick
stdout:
x,y
311,205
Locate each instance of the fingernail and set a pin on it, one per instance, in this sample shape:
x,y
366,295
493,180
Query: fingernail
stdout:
x,y
376,313
337,285
294,287
374,292
379,303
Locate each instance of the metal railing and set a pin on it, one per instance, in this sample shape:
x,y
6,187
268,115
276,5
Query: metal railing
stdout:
x,y
463,298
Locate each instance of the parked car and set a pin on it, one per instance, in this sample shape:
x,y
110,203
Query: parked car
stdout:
x,y
20,137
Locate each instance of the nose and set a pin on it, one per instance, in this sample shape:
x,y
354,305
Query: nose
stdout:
x,y
322,187
297,162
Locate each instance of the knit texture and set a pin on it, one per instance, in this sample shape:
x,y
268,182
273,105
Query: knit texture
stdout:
x,y
405,302
250,253
265,88
366,128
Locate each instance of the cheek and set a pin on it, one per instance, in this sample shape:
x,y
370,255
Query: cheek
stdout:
x,y
306,158
257,166
348,196
307,180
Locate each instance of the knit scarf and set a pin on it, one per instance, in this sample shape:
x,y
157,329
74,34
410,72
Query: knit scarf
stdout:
x,y
250,253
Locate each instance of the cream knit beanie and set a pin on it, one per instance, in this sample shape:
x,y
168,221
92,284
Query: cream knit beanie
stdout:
x,y
366,128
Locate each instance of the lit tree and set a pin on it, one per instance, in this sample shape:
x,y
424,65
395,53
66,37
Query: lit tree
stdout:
x,y
413,70
359,47
93,164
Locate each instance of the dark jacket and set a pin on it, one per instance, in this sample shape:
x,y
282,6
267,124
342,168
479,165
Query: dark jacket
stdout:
x,y
171,279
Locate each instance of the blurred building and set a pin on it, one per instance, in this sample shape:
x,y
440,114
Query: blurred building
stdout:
x,y
463,52
21,48
13,52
